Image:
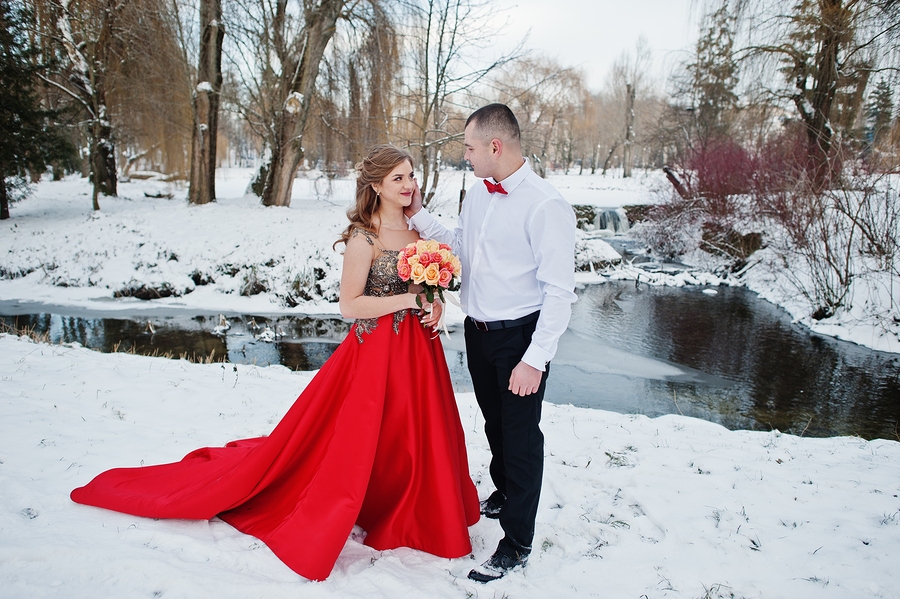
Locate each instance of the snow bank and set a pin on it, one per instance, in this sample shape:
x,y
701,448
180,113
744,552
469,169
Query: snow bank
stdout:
x,y
231,255
632,506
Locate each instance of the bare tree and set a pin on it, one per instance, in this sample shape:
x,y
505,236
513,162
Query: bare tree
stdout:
x,y
278,48
87,29
629,80
443,36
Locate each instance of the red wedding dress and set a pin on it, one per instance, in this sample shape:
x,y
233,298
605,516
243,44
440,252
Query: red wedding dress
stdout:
x,y
375,439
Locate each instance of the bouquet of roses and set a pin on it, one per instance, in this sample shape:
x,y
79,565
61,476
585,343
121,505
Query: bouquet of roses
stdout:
x,y
431,265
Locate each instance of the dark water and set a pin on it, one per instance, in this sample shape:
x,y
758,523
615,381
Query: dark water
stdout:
x,y
745,364
729,358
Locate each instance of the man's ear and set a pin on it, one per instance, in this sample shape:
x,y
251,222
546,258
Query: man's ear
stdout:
x,y
496,146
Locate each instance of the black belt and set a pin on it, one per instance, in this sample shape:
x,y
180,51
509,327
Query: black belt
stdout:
x,y
496,325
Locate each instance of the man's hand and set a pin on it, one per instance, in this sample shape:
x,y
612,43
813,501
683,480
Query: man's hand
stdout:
x,y
416,204
430,315
525,379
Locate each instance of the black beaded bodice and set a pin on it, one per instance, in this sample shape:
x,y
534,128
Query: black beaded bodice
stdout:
x,y
383,281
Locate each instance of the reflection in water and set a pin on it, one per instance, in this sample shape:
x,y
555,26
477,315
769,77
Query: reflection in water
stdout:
x,y
730,357
302,343
775,375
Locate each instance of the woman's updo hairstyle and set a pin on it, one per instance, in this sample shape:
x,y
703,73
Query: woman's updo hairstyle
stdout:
x,y
382,159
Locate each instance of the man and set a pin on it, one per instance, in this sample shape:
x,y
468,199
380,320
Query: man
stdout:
x,y
516,241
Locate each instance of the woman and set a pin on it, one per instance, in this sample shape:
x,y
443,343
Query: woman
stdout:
x,y
374,439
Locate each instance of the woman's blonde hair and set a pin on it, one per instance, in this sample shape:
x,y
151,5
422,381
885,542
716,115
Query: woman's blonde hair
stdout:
x,y
382,159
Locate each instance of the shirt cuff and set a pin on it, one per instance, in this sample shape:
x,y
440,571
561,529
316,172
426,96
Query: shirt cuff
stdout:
x,y
536,357
421,220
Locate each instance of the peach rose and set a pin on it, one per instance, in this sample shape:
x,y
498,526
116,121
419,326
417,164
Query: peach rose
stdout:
x,y
418,274
432,274
432,245
404,270
412,260
444,278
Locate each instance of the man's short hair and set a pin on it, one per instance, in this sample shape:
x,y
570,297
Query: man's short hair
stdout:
x,y
496,121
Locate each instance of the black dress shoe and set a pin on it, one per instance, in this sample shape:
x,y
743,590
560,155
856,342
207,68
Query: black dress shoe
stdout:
x,y
490,507
498,566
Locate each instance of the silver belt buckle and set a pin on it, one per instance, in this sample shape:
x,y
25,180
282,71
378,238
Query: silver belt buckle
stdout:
x,y
481,326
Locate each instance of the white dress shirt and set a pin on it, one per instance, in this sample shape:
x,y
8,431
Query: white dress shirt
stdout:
x,y
518,256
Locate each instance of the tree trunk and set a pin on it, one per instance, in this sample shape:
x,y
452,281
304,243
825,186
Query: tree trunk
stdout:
x,y
629,131
299,86
206,105
4,202
286,157
815,105
609,156
102,153
88,76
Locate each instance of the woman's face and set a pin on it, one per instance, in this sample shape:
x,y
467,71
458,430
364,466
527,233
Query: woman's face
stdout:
x,y
398,186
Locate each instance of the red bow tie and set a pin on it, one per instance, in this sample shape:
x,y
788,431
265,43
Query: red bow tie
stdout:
x,y
494,187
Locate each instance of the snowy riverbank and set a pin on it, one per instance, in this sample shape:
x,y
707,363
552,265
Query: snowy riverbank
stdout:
x,y
237,256
632,506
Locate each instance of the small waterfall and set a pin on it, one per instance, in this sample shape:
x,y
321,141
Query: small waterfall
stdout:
x,y
612,221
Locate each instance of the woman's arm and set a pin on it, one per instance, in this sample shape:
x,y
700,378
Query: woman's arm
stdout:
x,y
358,257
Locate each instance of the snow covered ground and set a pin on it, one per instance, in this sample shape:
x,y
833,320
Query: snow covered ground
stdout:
x,y
632,506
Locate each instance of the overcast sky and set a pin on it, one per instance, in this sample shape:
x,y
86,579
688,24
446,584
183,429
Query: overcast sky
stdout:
x,y
591,34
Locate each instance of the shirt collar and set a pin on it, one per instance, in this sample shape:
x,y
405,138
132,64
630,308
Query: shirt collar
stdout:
x,y
513,181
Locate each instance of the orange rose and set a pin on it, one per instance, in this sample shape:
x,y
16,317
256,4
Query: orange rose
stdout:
x,y
432,274
418,274
425,258
444,278
444,246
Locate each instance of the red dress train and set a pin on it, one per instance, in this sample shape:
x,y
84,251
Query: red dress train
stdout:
x,y
375,439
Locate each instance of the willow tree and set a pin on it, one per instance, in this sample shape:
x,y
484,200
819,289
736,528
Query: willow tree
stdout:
x,y
372,69
545,98
827,50
117,64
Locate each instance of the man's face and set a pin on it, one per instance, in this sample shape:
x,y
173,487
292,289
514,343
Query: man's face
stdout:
x,y
478,153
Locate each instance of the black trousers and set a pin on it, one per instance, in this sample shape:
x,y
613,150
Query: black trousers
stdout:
x,y
512,427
